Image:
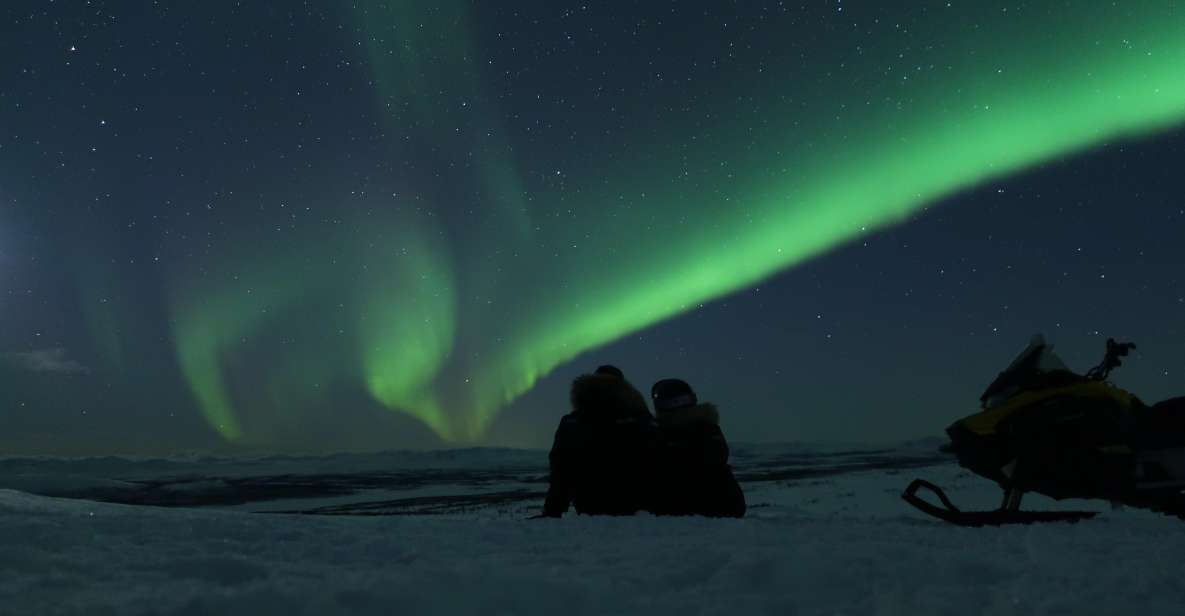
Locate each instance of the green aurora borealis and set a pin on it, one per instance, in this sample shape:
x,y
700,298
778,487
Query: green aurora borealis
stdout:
x,y
766,167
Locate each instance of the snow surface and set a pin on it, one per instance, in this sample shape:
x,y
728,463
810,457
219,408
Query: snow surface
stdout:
x,y
832,543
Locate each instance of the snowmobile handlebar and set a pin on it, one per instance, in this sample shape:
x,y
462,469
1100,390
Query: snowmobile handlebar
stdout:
x,y
1111,360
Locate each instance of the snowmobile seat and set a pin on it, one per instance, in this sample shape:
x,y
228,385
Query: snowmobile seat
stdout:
x,y
1175,406
1161,425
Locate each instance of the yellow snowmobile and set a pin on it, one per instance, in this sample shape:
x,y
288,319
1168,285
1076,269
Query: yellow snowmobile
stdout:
x,y
1043,428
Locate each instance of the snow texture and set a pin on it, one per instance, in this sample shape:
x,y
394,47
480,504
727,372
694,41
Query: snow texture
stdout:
x,y
835,538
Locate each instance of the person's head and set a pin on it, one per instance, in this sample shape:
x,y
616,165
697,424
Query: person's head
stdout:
x,y
671,394
608,370
606,394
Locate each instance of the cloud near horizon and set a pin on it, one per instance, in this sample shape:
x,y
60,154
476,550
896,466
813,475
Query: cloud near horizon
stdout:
x,y
54,360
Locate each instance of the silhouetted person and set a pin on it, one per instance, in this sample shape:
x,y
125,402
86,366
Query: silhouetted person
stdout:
x,y
603,460
695,478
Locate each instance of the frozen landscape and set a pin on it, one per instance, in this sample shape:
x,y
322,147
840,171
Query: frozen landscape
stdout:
x,y
445,532
393,226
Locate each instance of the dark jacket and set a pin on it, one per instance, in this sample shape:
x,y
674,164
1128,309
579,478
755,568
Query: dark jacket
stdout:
x,y
695,476
603,460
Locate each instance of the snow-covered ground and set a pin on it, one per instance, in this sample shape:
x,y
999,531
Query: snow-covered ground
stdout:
x,y
827,533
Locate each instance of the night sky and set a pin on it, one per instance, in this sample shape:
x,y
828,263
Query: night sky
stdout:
x,y
330,226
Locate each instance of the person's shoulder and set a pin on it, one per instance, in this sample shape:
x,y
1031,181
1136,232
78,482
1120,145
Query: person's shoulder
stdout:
x,y
569,432
568,425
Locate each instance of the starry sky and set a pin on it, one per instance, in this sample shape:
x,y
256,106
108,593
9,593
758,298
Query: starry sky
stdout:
x,y
338,226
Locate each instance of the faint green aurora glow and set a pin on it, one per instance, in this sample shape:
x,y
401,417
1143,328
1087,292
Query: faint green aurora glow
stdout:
x,y
399,301
408,332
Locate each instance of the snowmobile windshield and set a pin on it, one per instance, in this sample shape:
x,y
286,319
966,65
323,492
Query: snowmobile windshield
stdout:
x,y
1037,358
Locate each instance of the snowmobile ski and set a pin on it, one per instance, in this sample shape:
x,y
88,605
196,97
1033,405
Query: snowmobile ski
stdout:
x,y
948,512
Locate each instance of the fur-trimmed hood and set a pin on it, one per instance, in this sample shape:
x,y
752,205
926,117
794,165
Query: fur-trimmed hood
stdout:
x,y
705,412
608,397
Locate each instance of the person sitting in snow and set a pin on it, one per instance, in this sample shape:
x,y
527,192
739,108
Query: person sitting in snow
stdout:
x,y
604,456
695,478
